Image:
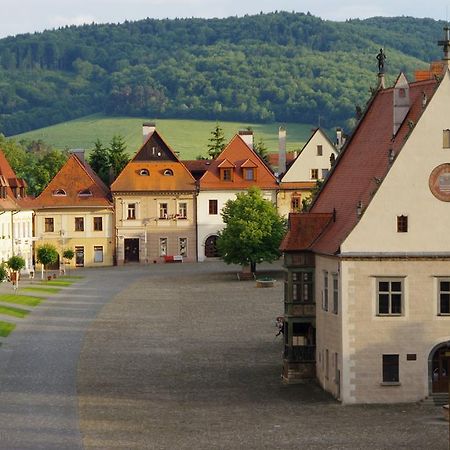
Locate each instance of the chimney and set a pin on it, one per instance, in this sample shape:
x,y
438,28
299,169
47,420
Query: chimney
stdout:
x,y
247,137
147,129
401,102
79,153
281,150
340,140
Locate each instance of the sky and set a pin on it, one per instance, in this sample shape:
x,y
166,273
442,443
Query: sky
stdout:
x,y
27,16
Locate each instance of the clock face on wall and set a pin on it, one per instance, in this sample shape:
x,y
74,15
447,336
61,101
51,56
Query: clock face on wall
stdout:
x,y
439,182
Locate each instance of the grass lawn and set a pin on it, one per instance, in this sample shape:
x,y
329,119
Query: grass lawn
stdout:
x,y
42,289
57,283
24,300
15,312
6,328
188,137
70,277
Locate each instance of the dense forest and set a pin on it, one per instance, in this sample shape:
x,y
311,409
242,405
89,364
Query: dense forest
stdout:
x,y
269,67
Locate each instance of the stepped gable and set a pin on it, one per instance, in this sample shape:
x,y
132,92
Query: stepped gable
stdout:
x,y
155,167
362,164
13,196
76,184
237,155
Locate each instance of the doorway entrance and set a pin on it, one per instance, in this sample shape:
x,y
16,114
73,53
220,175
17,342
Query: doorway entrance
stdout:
x,y
131,250
439,369
211,247
79,256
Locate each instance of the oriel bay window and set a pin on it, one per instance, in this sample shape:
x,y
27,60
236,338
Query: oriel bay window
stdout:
x,y
302,287
390,296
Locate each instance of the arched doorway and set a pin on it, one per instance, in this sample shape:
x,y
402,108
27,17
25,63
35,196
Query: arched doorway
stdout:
x,y
439,368
211,247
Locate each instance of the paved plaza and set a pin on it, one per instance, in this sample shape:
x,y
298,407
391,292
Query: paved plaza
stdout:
x,y
177,356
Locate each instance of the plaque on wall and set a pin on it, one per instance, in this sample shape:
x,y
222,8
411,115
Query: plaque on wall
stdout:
x,y
439,182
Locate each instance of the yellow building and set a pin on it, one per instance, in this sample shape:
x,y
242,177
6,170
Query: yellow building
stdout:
x,y
75,212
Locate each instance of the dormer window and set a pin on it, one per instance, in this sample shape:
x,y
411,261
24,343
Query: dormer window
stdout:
x,y
168,172
85,193
250,174
226,170
227,174
59,193
144,172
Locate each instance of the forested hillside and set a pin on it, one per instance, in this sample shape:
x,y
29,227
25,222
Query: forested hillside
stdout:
x,y
269,67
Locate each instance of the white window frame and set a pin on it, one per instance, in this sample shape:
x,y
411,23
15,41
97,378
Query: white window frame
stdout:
x,y
98,250
439,292
390,293
182,210
163,210
163,246
183,250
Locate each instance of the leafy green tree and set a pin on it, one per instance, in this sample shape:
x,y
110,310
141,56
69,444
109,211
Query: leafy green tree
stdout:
x,y
68,254
253,230
46,254
16,263
3,272
99,161
118,158
216,142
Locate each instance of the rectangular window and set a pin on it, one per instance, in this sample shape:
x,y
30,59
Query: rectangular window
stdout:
x,y
296,203
302,287
182,246
402,224
213,207
391,369
335,294
227,174
98,223
249,174
446,139
163,211
314,174
389,297
444,296
131,211
324,173
182,210
162,246
327,364
98,254
325,291
79,223
319,150
49,225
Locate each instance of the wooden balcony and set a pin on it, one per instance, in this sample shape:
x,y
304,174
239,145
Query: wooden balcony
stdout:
x,y
300,309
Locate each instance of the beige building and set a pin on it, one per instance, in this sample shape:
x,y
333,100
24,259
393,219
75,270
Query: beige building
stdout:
x,y
75,212
376,247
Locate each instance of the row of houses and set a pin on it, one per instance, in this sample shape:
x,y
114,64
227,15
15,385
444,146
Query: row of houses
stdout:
x,y
159,208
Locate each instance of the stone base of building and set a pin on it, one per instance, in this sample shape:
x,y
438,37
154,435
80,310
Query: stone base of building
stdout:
x,y
296,372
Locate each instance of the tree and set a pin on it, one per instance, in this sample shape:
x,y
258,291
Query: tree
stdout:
x,y
253,231
68,254
16,264
216,142
117,155
260,147
99,161
46,254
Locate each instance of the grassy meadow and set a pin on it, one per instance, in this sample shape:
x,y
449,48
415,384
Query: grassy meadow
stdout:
x,y
188,137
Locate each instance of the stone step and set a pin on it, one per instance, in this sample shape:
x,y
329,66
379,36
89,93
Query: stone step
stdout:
x,y
439,399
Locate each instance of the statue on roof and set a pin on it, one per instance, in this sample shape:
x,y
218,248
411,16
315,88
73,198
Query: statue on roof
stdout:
x,y
381,57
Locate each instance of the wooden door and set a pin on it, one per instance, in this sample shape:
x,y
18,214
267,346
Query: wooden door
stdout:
x,y
211,247
132,250
440,368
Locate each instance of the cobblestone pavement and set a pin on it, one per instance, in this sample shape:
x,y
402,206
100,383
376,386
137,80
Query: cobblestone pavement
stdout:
x,y
186,357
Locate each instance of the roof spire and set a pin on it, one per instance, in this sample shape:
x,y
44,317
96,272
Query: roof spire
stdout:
x,y
445,43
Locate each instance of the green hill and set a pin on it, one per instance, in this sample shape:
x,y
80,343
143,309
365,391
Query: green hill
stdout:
x,y
189,137
267,68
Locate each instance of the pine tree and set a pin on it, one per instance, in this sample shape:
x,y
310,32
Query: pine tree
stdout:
x,y
216,142
118,157
99,161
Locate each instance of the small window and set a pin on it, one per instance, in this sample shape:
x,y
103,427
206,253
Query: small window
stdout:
x,y
335,294
163,211
325,173
249,174
79,223
98,223
402,93
391,369
402,224
168,172
49,225
296,203
314,174
319,150
98,254
131,211
59,193
446,139
182,246
182,210
444,296
227,175
389,297
144,172
162,246
325,291
213,207
85,193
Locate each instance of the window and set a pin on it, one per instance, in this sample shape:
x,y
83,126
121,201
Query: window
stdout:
x,y
182,210
162,246
335,294
168,172
444,296
85,193
163,211
249,174
314,174
319,150
182,246
98,254
98,224
446,139
131,211
296,203
227,174
144,172
79,223
49,225
325,291
402,224
59,193
213,207
390,369
389,294
302,287
325,173
327,364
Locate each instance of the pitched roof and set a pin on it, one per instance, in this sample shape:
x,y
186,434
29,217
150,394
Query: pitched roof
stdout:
x,y
363,161
155,167
236,155
9,180
75,185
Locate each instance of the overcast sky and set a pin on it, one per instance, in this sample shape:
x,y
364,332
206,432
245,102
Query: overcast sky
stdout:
x,y
23,16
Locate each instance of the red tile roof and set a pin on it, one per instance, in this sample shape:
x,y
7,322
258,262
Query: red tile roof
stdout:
x,y
74,178
362,162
